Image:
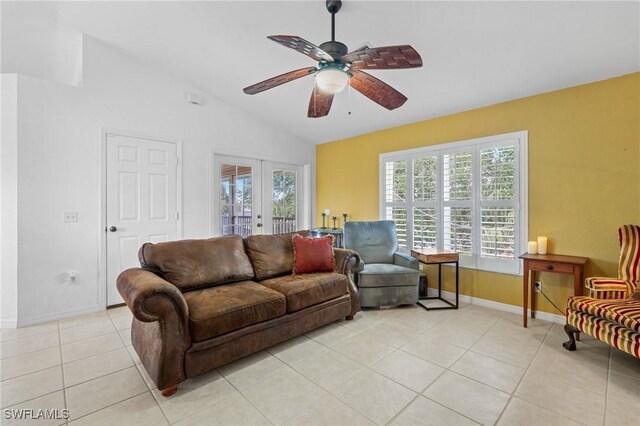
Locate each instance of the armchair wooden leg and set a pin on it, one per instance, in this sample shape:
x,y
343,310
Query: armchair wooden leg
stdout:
x,y
169,391
349,318
571,331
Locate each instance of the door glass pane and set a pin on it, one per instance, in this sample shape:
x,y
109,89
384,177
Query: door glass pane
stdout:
x,y
284,201
236,200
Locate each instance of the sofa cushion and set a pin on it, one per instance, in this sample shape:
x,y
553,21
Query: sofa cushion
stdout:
x,y
313,254
308,289
623,311
215,311
191,264
387,275
271,255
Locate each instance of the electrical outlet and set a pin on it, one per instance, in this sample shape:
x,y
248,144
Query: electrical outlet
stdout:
x,y
70,217
538,286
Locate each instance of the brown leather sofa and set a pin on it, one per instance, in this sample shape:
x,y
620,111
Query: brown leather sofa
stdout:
x,y
201,304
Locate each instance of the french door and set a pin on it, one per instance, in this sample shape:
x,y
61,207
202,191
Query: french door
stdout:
x,y
257,197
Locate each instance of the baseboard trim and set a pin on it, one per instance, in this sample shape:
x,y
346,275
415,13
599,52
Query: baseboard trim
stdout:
x,y
463,298
57,316
8,324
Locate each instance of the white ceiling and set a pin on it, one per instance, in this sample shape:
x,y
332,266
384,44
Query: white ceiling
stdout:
x,y
474,53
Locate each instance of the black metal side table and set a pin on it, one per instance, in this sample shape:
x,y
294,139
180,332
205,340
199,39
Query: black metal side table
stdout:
x,y
337,235
438,257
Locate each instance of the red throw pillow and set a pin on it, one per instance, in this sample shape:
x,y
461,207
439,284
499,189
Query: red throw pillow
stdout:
x,y
313,254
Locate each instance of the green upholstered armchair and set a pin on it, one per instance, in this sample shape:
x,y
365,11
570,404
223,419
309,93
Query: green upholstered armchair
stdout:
x,y
386,277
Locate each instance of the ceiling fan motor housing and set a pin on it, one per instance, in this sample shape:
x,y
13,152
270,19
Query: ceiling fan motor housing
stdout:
x,y
335,49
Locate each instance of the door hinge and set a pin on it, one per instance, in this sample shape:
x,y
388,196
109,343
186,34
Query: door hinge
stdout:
x,y
177,160
177,216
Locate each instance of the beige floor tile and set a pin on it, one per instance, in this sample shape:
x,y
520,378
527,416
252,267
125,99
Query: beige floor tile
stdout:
x,y
364,320
119,311
523,413
282,395
295,350
234,410
331,334
624,388
329,411
104,391
620,413
392,333
85,331
364,349
408,370
29,363
95,366
544,390
194,395
253,369
53,403
30,386
489,371
514,350
423,411
328,369
82,319
581,375
433,350
589,351
31,343
125,335
453,335
473,399
93,346
625,364
15,333
145,376
122,322
134,355
419,319
139,410
374,396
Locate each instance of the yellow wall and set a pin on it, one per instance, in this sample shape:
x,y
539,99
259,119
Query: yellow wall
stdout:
x,y
584,175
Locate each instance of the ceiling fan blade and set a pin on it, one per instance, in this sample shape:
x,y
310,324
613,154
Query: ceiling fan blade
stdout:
x,y
384,58
278,80
320,103
376,90
302,46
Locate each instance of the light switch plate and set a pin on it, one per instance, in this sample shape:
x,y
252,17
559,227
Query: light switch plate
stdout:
x,y
70,217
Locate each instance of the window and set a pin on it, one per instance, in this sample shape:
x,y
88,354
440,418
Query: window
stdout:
x,y
467,196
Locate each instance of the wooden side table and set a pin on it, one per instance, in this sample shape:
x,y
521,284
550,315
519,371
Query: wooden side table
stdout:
x,y
438,257
558,263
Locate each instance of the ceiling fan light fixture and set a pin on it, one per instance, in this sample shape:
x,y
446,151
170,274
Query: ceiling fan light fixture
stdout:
x,y
331,80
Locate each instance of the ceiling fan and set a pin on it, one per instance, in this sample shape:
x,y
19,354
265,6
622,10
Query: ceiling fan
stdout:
x,y
336,68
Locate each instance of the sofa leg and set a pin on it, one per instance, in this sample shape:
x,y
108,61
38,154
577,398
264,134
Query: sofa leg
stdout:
x,y
571,331
349,318
169,391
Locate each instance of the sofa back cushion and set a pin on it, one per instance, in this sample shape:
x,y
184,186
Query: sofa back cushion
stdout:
x,y
272,255
193,264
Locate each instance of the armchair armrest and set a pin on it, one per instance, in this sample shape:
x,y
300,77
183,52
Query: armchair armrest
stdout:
x,y
347,263
608,288
406,260
160,332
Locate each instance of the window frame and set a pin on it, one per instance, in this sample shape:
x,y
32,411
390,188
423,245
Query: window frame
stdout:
x,y
520,202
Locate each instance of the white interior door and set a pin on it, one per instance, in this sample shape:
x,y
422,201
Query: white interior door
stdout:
x,y
142,202
238,196
283,197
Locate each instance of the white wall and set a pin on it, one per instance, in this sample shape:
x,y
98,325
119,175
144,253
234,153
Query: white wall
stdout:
x,y
58,161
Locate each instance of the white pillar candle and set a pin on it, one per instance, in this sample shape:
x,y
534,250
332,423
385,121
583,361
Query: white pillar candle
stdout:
x,y
532,247
542,245
326,211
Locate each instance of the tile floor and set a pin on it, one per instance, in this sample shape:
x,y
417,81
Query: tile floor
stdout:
x,y
392,366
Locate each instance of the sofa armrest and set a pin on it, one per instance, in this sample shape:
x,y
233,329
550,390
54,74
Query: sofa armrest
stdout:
x,y
406,260
160,332
347,263
608,288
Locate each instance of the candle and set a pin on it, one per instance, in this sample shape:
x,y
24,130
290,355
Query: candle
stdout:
x,y
532,247
542,245
326,211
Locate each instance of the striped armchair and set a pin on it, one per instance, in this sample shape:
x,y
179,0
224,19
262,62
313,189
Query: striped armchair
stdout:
x,y
611,312
628,268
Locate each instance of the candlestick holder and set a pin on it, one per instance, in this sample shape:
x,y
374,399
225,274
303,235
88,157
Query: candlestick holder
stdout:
x,y
334,218
344,219
324,216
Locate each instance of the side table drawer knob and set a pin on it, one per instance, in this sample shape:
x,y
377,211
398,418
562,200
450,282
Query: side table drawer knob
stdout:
x,y
549,267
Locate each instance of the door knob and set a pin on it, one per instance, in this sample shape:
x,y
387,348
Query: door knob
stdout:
x,y
259,225
259,216
113,229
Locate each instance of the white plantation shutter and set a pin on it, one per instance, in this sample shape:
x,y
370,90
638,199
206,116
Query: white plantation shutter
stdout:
x,y
467,196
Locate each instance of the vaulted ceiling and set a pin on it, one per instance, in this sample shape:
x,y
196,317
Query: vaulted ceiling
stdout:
x,y
474,53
